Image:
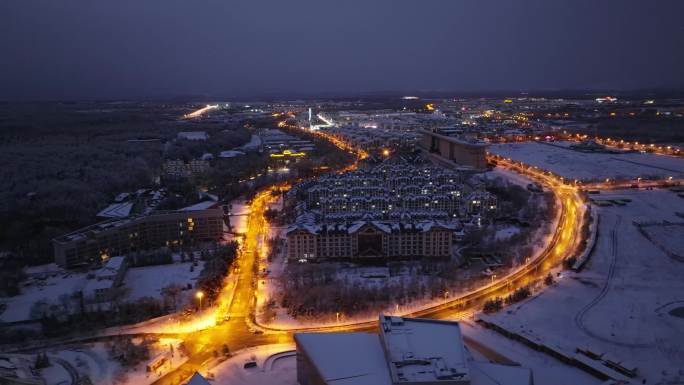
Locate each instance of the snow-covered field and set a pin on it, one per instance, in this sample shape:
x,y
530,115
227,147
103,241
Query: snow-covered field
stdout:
x,y
150,280
670,237
619,305
50,289
559,159
276,364
90,361
546,370
94,361
54,285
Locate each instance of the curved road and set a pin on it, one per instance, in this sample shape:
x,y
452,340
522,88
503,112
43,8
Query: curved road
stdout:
x,y
241,331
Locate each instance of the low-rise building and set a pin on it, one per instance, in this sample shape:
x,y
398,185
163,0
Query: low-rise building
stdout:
x,y
407,351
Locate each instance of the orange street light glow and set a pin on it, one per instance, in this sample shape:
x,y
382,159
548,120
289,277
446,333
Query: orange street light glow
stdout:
x,y
201,111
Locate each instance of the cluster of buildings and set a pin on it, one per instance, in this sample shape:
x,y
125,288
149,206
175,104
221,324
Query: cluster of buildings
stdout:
x,y
406,351
397,191
282,148
177,168
379,129
139,201
391,211
371,138
105,280
121,236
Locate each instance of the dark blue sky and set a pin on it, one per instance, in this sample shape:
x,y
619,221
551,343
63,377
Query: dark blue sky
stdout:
x,y
73,49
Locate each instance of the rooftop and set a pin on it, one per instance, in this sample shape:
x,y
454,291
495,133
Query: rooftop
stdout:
x,y
358,358
408,351
421,350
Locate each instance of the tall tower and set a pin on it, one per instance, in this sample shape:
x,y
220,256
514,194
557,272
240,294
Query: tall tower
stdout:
x,y
309,116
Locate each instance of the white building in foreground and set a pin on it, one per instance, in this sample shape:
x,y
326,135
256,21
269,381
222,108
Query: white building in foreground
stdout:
x,y
407,351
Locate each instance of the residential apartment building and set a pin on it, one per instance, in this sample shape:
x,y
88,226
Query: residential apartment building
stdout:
x,y
371,239
122,236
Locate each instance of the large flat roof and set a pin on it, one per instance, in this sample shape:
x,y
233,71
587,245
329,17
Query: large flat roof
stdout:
x,y
408,351
358,358
423,350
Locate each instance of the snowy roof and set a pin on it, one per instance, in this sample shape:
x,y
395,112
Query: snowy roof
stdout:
x,y
422,350
307,224
230,154
116,210
408,350
346,358
197,379
121,197
200,206
95,284
485,373
253,144
193,135
115,262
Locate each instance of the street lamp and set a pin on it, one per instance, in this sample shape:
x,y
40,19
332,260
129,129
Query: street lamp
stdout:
x,y
200,295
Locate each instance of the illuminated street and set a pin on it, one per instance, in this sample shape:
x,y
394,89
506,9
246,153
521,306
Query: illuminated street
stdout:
x,y
326,193
239,330
201,111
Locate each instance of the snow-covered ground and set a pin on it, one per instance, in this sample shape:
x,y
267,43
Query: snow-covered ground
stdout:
x,y
559,159
90,361
239,212
55,374
276,364
669,237
510,176
546,370
57,284
505,232
95,362
148,281
620,304
54,285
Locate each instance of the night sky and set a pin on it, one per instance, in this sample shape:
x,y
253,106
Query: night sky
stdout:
x,y
83,49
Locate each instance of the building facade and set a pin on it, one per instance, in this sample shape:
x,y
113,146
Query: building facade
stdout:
x,y
122,236
457,150
371,239
388,192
